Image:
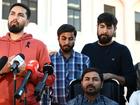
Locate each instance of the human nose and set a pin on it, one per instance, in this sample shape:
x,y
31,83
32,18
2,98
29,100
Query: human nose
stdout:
x,y
67,41
105,30
91,81
15,17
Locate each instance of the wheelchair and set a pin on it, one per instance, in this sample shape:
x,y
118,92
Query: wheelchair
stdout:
x,y
111,89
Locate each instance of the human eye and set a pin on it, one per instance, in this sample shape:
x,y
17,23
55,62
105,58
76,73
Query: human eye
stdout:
x,y
71,38
21,15
86,79
101,26
11,13
95,79
63,38
109,27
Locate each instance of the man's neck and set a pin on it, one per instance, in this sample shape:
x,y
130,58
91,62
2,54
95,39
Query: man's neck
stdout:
x,y
67,55
105,44
92,98
16,36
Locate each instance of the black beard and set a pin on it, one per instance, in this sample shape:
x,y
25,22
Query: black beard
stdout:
x,y
92,93
67,50
15,29
104,39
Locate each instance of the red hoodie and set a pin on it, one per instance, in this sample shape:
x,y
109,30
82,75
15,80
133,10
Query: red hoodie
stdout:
x,y
32,49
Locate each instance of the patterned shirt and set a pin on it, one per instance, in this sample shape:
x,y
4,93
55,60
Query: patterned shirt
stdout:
x,y
66,70
100,100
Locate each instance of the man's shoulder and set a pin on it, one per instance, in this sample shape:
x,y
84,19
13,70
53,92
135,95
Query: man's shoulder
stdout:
x,y
109,101
119,45
137,93
80,55
91,44
71,102
55,55
37,42
75,101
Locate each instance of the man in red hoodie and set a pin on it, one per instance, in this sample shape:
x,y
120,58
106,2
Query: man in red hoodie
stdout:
x,y
14,42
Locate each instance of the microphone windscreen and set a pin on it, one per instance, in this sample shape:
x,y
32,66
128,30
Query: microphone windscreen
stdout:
x,y
22,55
3,61
48,68
19,58
32,65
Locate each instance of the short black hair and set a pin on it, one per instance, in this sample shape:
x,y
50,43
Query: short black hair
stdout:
x,y
66,28
107,18
87,70
24,6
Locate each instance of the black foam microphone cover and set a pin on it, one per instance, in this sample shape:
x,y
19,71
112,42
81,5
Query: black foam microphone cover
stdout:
x,y
3,61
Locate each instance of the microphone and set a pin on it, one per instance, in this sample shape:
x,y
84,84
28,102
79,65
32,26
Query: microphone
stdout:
x,y
31,67
48,71
17,61
50,80
3,61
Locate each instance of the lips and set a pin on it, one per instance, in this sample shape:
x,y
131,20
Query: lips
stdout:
x,y
90,87
103,36
66,46
13,23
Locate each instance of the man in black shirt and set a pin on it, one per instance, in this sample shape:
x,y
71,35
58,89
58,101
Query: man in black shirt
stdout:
x,y
112,58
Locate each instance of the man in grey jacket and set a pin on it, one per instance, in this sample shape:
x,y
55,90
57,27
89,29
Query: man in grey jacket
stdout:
x,y
91,82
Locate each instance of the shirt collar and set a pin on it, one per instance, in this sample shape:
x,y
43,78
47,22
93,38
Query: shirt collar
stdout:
x,y
60,53
98,98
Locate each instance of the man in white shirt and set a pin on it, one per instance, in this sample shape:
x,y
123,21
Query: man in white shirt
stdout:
x,y
135,98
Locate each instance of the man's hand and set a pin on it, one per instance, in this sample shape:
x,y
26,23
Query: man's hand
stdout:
x,y
6,68
22,70
107,76
52,52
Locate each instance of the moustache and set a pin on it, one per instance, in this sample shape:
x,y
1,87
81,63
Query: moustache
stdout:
x,y
104,35
66,46
90,86
14,22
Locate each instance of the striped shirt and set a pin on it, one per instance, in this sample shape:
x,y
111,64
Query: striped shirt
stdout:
x,y
67,70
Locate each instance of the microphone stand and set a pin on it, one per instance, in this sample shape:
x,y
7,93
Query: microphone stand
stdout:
x,y
48,96
46,100
40,88
15,71
18,93
25,98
